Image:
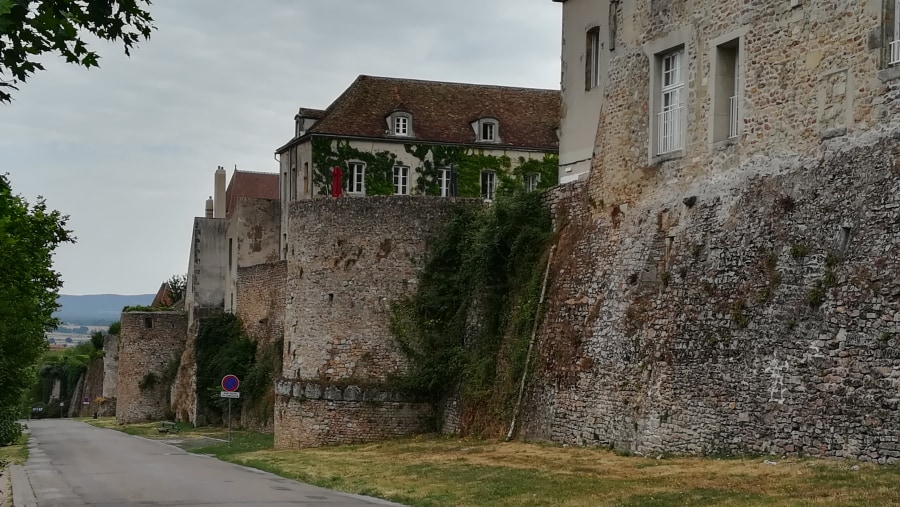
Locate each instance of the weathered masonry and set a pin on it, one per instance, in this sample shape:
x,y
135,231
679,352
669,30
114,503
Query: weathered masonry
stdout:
x,y
349,259
727,272
149,345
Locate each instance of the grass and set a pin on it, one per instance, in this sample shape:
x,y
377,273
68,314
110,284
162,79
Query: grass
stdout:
x,y
149,429
433,471
15,454
430,471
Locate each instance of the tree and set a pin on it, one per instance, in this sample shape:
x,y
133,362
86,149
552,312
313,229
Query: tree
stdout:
x,y
29,234
30,28
177,285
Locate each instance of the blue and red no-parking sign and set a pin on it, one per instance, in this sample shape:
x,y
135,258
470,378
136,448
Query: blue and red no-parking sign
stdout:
x,y
230,383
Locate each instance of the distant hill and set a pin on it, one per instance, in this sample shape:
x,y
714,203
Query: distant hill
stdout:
x,y
96,309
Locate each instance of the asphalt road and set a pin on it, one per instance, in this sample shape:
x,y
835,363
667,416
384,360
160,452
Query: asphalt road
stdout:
x,y
73,464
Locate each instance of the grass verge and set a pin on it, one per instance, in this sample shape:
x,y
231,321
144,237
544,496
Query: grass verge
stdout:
x,y
150,429
15,454
434,471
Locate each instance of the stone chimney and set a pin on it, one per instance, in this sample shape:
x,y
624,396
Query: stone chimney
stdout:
x,y
209,207
219,194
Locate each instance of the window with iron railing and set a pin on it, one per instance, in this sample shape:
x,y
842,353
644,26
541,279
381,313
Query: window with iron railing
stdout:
x,y
670,119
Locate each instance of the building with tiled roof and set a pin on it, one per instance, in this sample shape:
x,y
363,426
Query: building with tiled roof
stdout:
x,y
403,137
249,185
392,136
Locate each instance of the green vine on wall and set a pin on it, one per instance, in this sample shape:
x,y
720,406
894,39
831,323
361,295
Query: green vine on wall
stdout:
x,y
487,268
430,158
224,348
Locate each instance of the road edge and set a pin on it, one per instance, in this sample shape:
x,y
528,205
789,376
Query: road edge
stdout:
x,y
22,493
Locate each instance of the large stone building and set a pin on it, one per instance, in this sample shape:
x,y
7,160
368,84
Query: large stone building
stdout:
x,y
727,271
392,136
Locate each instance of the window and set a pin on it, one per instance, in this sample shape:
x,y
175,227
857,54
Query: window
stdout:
x,y
401,126
725,100
148,322
592,59
488,185
444,182
401,180
230,252
487,131
670,118
356,178
293,184
531,181
894,56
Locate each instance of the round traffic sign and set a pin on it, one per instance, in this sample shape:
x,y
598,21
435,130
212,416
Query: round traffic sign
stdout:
x,y
230,383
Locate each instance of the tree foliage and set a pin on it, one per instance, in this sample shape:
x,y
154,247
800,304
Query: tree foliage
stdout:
x,y
177,285
28,289
30,28
467,327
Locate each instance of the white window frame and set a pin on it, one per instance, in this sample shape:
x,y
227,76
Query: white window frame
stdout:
x,y
592,59
670,133
894,56
531,181
356,178
443,181
488,185
488,131
401,180
401,126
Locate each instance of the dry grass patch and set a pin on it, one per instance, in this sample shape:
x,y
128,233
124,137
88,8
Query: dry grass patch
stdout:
x,y
428,471
150,429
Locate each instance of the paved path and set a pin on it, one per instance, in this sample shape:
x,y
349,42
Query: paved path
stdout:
x,y
73,464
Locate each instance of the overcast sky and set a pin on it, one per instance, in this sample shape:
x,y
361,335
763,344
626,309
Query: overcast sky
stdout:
x,y
128,150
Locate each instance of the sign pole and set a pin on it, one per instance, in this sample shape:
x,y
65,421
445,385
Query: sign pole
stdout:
x,y
230,384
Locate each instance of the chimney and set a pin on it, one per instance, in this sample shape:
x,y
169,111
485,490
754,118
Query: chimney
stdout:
x,y
209,207
219,194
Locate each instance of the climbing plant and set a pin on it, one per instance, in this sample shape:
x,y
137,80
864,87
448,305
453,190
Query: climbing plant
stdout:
x,y
429,160
224,348
467,327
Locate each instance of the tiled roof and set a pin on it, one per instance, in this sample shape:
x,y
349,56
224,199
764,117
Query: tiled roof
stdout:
x,y
315,114
163,296
444,112
250,185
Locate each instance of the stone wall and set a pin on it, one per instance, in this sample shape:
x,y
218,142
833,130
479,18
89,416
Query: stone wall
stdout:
x,y
184,389
110,365
148,343
309,414
753,311
261,300
348,260
252,239
90,386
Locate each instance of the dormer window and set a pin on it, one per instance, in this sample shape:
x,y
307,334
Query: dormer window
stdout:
x,y
400,124
487,130
298,126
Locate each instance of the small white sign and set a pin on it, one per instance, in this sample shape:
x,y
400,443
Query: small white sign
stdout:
x,y
227,394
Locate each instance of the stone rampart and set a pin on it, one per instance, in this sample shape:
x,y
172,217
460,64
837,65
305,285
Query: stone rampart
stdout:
x,y
757,311
310,414
348,260
148,343
261,300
